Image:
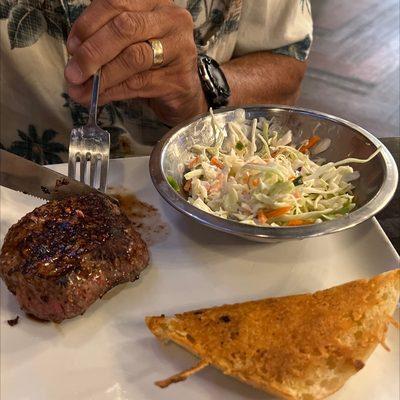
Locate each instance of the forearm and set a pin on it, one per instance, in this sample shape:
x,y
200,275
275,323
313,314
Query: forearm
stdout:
x,y
264,78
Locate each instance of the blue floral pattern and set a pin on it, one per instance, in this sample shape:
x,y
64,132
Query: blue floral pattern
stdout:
x,y
298,50
40,149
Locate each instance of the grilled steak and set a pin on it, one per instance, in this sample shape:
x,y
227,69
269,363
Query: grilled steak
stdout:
x,y
64,255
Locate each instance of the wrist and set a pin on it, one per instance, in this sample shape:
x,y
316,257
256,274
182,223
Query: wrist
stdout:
x,y
197,100
202,101
233,100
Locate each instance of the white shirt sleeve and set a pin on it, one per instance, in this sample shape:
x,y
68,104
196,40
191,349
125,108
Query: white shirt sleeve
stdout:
x,y
284,26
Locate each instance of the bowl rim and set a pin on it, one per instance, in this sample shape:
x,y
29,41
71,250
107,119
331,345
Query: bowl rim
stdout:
x,y
368,210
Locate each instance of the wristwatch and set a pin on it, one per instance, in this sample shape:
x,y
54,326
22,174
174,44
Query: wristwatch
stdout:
x,y
215,86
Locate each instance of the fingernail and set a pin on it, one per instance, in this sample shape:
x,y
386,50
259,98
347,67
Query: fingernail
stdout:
x,y
73,73
73,43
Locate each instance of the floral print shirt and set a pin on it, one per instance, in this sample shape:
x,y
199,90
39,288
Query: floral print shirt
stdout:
x,y
36,111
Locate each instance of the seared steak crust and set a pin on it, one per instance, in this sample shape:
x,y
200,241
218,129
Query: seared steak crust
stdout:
x,y
64,255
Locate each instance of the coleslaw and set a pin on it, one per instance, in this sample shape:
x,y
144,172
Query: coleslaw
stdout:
x,y
256,175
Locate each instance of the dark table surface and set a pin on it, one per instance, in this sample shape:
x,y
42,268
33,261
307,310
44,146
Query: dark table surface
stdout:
x,y
389,218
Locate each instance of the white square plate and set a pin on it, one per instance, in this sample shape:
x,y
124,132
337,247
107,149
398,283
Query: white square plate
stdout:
x,y
109,354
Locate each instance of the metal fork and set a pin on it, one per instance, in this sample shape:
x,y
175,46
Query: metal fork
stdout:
x,y
90,144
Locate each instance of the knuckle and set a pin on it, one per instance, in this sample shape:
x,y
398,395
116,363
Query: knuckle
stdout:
x,y
192,49
90,50
184,16
128,24
138,81
123,25
116,4
125,88
139,23
136,56
125,60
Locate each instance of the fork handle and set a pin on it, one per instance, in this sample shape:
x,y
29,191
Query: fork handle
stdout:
x,y
95,98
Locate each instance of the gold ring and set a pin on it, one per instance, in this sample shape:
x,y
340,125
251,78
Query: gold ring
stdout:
x,y
158,51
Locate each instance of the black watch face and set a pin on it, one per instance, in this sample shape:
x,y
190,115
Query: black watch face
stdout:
x,y
216,86
218,77
220,82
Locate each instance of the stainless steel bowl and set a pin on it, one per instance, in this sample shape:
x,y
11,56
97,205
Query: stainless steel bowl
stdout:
x,y
374,188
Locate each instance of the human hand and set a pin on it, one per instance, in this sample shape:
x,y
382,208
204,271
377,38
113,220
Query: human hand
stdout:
x,y
112,35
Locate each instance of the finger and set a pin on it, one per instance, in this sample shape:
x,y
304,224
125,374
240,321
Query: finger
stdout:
x,y
99,12
81,93
148,84
125,29
134,59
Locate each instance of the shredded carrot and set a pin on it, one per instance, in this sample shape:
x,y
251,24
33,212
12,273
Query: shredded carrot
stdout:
x,y
255,181
262,219
246,178
217,185
299,222
278,211
311,143
194,162
217,163
263,216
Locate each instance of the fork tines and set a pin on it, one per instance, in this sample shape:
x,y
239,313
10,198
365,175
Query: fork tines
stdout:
x,y
89,145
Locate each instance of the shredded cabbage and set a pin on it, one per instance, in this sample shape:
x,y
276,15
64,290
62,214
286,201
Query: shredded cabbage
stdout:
x,y
256,175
